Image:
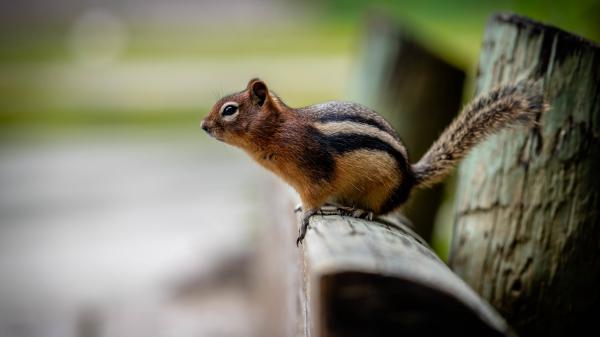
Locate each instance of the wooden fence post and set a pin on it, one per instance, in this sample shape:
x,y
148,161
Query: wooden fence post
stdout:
x,y
527,227
417,91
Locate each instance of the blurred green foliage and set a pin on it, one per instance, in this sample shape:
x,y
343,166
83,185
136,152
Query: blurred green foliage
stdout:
x,y
43,82
454,29
26,44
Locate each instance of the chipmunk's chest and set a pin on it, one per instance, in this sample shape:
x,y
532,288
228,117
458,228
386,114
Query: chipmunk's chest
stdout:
x,y
291,166
268,159
272,160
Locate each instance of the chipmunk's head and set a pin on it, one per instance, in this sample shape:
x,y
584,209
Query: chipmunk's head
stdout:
x,y
237,117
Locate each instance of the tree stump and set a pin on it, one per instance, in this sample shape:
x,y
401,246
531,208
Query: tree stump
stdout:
x,y
527,231
417,91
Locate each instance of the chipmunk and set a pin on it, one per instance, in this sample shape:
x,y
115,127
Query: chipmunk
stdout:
x,y
347,155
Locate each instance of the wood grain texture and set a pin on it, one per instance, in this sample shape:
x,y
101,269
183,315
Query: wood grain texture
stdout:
x,y
366,278
527,231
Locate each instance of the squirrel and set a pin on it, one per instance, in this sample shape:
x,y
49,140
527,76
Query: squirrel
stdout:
x,y
347,155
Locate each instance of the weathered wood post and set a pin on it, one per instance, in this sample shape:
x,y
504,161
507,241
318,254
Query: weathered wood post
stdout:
x,y
369,278
527,227
417,91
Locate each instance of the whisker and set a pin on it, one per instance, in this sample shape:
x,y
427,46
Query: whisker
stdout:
x,y
216,94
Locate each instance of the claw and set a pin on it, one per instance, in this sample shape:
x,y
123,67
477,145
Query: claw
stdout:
x,y
301,234
328,210
304,225
362,214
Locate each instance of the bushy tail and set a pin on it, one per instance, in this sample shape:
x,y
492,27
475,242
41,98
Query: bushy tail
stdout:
x,y
489,113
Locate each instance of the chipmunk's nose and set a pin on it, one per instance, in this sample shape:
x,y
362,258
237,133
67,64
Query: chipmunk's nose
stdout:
x,y
204,126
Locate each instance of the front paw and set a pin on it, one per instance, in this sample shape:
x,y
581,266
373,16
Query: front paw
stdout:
x,y
304,221
299,240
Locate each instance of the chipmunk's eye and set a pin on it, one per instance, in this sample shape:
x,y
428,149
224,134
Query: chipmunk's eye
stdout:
x,y
229,109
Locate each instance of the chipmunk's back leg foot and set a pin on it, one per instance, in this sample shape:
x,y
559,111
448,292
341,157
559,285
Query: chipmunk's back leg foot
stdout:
x,y
349,211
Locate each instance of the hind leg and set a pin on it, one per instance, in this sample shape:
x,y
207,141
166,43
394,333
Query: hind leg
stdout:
x,y
349,211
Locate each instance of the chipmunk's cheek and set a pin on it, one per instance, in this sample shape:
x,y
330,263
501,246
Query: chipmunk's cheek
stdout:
x,y
217,134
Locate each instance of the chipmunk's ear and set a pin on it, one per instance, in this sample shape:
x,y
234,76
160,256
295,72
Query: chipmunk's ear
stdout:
x,y
258,91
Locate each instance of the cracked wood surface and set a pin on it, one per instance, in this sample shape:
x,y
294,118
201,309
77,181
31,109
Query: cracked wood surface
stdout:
x,y
367,278
527,235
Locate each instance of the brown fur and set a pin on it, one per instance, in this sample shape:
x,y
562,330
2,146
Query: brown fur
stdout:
x,y
272,134
364,180
289,142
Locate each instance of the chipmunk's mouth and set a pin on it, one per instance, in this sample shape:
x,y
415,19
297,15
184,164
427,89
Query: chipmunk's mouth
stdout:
x,y
210,131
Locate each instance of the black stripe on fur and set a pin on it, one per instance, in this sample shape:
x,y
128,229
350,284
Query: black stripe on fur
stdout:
x,y
358,119
344,143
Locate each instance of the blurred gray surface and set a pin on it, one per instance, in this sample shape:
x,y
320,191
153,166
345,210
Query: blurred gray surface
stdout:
x,y
98,228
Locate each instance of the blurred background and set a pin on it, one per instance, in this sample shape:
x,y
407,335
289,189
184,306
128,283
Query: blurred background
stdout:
x,y
118,216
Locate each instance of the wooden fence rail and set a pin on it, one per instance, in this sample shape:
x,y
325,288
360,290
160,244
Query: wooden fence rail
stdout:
x,y
369,278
